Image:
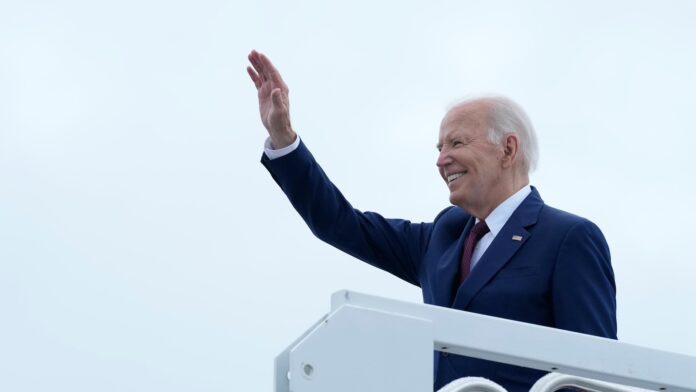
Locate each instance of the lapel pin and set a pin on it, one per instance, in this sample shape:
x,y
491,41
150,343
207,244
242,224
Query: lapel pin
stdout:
x,y
517,238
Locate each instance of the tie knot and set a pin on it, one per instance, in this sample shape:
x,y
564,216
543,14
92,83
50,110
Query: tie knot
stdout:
x,y
480,229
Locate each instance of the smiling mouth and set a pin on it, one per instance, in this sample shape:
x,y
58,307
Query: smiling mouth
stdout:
x,y
454,176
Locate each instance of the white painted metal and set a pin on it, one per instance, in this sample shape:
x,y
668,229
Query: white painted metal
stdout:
x,y
357,349
540,347
555,381
472,384
282,361
370,343
549,383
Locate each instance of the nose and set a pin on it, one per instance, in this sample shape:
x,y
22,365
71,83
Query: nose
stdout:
x,y
443,159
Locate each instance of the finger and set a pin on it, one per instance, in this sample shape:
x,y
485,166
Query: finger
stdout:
x,y
269,69
254,77
258,67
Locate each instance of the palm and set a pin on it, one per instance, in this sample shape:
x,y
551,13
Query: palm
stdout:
x,y
273,97
271,116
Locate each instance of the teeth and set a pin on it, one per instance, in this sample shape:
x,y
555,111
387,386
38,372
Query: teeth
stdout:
x,y
453,177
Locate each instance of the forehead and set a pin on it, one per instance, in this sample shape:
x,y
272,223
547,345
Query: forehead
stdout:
x,y
468,118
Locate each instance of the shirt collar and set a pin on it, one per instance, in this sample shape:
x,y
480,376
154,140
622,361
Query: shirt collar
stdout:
x,y
500,215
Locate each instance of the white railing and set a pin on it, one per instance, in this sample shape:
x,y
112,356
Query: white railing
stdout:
x,y
472,384
367,343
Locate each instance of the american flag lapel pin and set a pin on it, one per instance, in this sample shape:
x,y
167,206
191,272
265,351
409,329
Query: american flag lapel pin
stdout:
x,y
517,238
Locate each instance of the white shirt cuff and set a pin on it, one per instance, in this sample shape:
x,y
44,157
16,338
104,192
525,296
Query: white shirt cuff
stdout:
x,y
273,154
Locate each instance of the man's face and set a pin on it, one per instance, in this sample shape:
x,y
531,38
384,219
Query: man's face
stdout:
x,y
468,162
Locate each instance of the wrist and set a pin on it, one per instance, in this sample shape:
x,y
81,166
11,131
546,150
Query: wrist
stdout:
x,y
283,139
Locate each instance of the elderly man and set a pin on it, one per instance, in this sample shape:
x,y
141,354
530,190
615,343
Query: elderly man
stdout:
x,y
499,250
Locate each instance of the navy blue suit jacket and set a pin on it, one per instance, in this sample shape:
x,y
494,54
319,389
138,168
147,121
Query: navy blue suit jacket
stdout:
x,y
558,275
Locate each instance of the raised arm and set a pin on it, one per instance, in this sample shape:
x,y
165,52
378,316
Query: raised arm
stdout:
x,y
274,104
394,245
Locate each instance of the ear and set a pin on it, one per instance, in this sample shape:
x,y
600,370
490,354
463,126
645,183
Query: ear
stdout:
x,y
510,150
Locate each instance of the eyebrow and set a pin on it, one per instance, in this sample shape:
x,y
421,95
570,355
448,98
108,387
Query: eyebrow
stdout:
x,y
448,140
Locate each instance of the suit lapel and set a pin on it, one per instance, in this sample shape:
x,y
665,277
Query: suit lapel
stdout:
x,y
448,269
501,250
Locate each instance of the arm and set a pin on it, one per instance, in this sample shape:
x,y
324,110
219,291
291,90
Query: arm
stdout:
x,y
584,291
393,245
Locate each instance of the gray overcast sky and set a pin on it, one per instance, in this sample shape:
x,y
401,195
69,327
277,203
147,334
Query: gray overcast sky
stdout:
x,y
143,247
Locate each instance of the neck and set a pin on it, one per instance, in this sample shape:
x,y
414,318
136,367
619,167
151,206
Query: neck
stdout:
x,y
511,187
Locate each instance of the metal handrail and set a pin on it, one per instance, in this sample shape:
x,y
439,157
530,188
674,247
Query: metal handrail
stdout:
x,y
369,343
555,381
472,384
549,383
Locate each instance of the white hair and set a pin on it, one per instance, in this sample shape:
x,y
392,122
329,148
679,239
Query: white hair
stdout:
x,y
504,117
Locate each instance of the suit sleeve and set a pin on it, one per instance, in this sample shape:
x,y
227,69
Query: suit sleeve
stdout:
x,y
393,245
584,290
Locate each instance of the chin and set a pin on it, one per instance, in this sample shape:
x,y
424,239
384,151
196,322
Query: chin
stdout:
x,y
459,200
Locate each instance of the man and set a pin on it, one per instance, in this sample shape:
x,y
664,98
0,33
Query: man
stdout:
x,y
498,251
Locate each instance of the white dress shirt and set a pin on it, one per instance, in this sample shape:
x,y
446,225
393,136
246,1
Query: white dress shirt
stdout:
x,y
497,219
281,152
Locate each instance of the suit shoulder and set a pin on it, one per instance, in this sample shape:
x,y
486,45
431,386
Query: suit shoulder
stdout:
x,y
564,220
561,216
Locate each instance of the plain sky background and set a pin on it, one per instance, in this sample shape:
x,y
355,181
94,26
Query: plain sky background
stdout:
x,y
143,247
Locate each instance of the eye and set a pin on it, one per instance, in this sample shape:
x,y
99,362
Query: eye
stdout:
x,y
452,144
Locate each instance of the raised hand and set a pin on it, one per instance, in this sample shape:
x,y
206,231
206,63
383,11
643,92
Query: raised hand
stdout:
x,y
274,104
